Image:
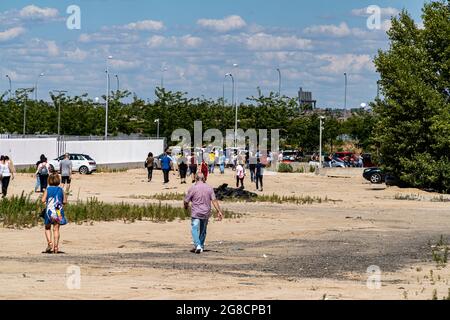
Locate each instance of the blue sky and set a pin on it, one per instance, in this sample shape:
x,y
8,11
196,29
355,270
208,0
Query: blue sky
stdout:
x,y
198,41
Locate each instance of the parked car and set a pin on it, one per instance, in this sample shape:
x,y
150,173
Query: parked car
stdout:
x,y
374,175
81,163
342,155
292,156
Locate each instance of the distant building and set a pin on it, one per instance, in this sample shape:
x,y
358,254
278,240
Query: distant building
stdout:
x,y
305,100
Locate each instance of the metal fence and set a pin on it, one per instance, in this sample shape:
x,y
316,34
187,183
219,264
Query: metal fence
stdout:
x,y
79,138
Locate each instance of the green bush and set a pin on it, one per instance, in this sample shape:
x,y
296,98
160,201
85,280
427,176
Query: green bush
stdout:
x,y
285,168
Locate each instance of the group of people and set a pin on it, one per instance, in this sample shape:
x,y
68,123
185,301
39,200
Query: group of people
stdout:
x,y
44,169
192,164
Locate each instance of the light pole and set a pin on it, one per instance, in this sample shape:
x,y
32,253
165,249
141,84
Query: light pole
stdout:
x,y
26,91
10,86
107,97
36,86
118,82
345,95
157,132
320,142
163,69
233,102
60,93
279,82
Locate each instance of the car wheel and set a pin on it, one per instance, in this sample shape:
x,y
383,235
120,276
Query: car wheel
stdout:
x,y
84,170
375,178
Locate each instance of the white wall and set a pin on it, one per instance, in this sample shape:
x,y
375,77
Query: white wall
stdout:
x,y
116,151
28,151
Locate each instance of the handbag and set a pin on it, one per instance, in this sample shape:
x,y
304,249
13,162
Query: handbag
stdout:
x,y
43,212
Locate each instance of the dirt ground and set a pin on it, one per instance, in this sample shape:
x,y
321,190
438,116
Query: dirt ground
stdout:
x,y
287,251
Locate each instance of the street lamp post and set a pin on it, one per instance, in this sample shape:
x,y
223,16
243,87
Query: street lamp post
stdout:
x,y
10,86
320,142
164,69
279,82
235,106
107,97
157,130
118,82
36,86
345,95
26,91
59,92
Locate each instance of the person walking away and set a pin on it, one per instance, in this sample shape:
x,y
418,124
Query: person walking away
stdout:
x,y
252,168
43,171
201,195
7,174
259,173
204,170
193,166
240,175
37,186
166,166
149,164
222,160
212,162
66,173
54,199
183,168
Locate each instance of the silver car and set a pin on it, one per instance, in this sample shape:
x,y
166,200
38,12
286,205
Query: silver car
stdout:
x,y
81,163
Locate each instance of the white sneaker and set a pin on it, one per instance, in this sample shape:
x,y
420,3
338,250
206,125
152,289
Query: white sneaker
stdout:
x,y
199,250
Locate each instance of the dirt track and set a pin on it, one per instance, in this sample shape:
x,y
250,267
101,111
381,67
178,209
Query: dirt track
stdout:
x,y
272,252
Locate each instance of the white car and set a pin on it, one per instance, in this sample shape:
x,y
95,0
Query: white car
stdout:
x,y
81,163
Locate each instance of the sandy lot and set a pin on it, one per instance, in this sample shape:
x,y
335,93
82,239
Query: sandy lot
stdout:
x,y
273,252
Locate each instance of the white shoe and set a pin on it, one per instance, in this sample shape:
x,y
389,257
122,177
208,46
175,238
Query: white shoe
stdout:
x,y
199,250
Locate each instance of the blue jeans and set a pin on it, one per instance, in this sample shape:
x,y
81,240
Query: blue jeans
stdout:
x,y
222,168
211,168
199,227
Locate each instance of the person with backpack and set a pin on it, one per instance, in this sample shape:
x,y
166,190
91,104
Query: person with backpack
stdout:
x,y
54,199
240,175
259,174
43,171
149,164
166,166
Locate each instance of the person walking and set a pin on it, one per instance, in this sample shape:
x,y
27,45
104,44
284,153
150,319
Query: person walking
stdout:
x,y
204,169
43,171
66,173
193,166
54,199
222,160
201,196
149,164
37,186
7,172
259,173
183,168
240,175
252,168
212,162
166,166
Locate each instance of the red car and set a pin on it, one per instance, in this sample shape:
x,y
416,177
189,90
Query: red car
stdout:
x,y
342,155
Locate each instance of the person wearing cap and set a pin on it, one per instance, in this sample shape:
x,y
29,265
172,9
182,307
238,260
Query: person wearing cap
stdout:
x,y
201,196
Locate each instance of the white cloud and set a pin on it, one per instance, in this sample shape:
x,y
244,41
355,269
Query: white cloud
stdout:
x,y
186,41
12,33
342,30
387,12
52,48
77,55
124,65
34,12
264,41
346,63
223,25
145,25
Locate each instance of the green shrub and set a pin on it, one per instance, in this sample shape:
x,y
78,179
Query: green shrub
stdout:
x,y
285,168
